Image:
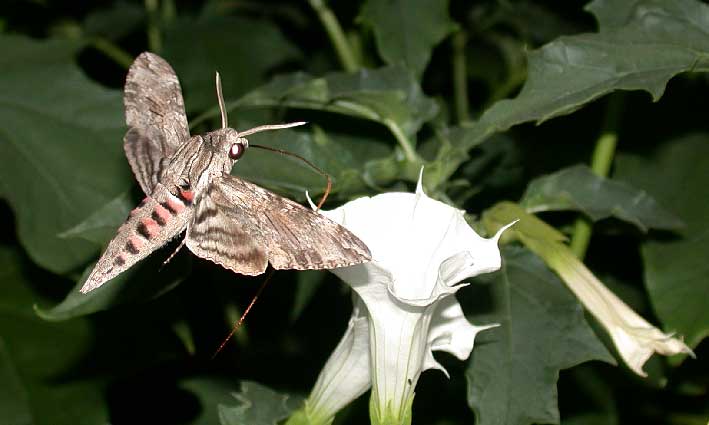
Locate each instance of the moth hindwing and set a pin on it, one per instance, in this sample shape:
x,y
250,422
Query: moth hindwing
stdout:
x,y
188,188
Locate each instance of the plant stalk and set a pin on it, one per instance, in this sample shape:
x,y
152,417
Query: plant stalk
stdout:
x,y
460,77
154,40
112,51
350,64
601,162
406,146
337,37
169,11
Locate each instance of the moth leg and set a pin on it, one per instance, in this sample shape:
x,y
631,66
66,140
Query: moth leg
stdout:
x,y
179,247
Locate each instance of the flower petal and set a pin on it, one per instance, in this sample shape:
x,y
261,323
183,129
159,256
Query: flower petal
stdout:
x,y
421,249
346,374
450,330
634,337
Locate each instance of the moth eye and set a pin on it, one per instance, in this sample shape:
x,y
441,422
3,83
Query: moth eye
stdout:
x,y
236,150
184,185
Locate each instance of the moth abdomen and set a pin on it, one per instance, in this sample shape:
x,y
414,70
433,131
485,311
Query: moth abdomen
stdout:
x,y
134,245
161,215
158,219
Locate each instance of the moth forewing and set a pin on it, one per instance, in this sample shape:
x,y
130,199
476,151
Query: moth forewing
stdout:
x,y
292,236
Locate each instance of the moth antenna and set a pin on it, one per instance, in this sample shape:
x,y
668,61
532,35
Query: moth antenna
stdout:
x,y
313,166
243,316
268,127
220,98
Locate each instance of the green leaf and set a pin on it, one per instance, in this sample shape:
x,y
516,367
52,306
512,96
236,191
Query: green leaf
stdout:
x,y
492,164
407,31
101,225
383,95
60,142
578,188
211,392
14,405
676,270
43,356
114,22
196,48
258,405
639,48
535,22
341,156
514,368
145,280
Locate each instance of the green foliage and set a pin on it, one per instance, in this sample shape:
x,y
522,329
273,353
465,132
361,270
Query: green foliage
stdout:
x,y
38,359
257,405
145,339
406,32
346,158
638,49
676,270
577,188
513,371
389,94
148,280
60,156
226,44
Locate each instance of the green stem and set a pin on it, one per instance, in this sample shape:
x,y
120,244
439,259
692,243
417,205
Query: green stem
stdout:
x,y
460,77
601,162
603,153
347,58
112,51
337,36
404,142
169,11
154,41
305,416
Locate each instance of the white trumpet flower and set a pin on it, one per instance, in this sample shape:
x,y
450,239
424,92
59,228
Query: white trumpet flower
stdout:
x,y
421,250
634,337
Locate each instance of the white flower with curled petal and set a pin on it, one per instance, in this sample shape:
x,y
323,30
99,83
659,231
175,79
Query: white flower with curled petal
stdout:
x,y
421,250
634,337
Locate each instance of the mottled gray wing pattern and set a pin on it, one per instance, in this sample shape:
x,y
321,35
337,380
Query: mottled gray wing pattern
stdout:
x,y
292,236
213,235
155,114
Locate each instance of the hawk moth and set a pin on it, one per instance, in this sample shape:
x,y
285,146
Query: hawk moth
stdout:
x,y
188,187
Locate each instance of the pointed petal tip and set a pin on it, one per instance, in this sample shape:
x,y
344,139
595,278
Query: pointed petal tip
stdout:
x,y
499,233
419,184
682,347
486,327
